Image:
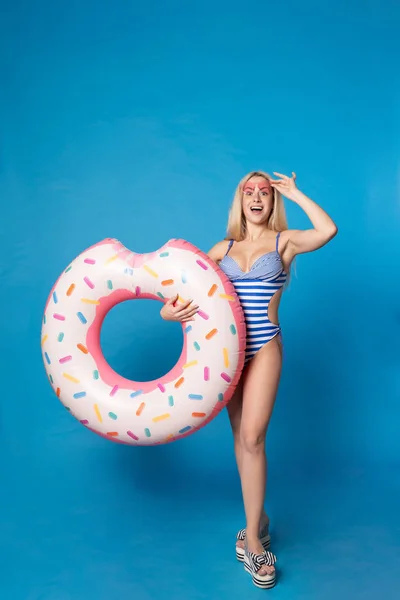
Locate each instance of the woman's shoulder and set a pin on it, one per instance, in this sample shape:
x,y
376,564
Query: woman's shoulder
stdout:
x,y
285,236
218,251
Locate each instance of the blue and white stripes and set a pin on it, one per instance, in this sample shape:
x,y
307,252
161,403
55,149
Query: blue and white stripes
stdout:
x,y
255,290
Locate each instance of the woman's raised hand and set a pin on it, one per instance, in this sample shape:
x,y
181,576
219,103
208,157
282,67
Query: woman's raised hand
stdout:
x,y
285,185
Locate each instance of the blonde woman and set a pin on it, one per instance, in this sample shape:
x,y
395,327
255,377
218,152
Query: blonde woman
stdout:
x,y
256,256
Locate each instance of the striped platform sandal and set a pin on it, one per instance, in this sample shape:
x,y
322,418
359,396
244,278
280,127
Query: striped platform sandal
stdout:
x,y
264,536
253,564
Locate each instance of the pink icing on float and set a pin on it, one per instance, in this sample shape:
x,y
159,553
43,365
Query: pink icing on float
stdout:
x,y
109,376
183,400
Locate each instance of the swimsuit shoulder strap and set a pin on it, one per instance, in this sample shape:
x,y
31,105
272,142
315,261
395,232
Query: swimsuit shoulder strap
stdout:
x,y
229,246
277,240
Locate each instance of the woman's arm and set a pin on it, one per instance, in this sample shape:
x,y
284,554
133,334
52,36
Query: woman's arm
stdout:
x,y
311,239
324,228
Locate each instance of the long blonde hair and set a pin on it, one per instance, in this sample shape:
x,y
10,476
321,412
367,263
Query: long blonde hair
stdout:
x,y
236,228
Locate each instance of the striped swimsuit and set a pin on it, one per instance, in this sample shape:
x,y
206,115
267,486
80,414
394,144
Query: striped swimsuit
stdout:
x,y
255,290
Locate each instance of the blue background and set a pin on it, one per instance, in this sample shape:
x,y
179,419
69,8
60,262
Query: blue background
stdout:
x,y
136,121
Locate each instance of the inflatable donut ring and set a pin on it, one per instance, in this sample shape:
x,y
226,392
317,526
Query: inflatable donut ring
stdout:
x,y
193,392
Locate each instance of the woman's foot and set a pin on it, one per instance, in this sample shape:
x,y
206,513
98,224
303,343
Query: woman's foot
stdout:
x,y
255,547
264,537
259,564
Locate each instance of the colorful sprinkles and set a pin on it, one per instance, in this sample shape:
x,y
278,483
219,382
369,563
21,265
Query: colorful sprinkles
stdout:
x,y
161,418
185,429
179,382
202,265
227,297
64,359
111,259
211,334
89,283
71,378
226,357
98,414
140,409
150,271
203,315
75,353
192,363
226,377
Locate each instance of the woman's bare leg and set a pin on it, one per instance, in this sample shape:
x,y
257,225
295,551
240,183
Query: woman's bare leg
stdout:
x,y
260,387
235,416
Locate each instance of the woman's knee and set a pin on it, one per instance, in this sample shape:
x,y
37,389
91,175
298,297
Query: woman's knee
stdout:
x,y
252,441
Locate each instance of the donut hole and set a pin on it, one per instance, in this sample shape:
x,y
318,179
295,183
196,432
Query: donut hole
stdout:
x,y
137,343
